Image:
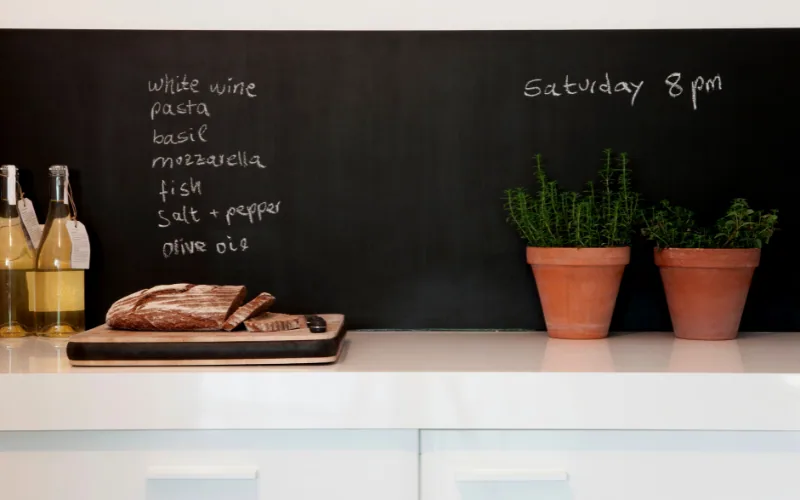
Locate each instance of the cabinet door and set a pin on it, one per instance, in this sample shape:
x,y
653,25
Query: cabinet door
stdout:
x,y
610,465
209,465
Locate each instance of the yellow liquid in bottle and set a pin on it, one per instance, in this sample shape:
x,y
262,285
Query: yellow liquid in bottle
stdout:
x,y
58,299
16,264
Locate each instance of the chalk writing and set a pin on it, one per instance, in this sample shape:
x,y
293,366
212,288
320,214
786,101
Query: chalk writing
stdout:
x,y
239,159
172,85
186,215
182,108
180,247
230,87
539,87
176,109
253,212
675,89
183,189
230,245
188,135
535,87
699,84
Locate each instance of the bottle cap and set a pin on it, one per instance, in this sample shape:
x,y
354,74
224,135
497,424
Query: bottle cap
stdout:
x,y
59,170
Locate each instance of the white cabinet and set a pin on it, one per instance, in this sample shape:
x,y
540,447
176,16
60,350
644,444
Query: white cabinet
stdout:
x,y
209,465
610,465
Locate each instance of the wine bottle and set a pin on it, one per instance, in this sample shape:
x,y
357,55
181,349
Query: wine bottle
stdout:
x,y
16,262
59,298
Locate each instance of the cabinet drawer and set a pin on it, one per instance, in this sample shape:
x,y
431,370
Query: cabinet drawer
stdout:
x,y
609,465
209,465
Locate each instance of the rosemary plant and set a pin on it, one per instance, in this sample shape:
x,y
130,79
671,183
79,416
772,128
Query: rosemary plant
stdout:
x,y
741,227
600,216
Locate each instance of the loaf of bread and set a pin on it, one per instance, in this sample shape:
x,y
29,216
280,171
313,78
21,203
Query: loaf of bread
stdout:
x,y
275,322
179,307
258,305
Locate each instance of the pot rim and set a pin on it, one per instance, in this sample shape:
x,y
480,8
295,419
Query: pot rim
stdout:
x,y
709,258
578,256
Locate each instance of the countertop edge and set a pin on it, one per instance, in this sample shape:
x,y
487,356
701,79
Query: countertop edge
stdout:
x,y
400,400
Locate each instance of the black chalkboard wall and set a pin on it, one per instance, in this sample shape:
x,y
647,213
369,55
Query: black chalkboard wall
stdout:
x,y
385,155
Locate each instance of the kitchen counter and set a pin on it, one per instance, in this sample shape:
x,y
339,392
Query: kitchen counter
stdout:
x,y
414,416
426,380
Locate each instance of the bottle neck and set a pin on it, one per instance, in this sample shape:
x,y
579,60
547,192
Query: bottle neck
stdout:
x,y
6,209
59,206
4,184
58,189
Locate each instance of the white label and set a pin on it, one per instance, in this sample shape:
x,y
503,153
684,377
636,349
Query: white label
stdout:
x,y
11,185
30,221
80,244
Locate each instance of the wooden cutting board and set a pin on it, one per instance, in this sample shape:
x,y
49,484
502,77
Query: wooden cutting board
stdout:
x,y
103,346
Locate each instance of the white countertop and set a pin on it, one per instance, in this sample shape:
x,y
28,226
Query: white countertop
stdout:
x,y
426,380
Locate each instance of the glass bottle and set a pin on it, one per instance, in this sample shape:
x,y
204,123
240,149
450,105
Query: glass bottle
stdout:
x,y
16,262
59,295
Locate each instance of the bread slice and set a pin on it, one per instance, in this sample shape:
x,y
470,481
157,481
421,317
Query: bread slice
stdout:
x,y
258,305
275,322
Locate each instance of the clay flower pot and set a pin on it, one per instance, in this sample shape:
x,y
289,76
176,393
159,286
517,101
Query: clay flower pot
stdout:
x,y
706,289
578,288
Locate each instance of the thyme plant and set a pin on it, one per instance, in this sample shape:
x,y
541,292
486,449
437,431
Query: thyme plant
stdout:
x,y
741,227
600,216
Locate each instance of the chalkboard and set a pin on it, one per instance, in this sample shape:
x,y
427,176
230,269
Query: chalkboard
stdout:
x,y
362,172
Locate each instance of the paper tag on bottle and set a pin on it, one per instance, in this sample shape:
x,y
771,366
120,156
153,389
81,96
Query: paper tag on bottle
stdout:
x,y
80,244
31,222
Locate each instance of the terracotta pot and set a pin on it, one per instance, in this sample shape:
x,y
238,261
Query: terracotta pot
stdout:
x,y
578,288
706,289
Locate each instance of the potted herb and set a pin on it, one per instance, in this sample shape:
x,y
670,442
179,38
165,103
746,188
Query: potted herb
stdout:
x,y
706,273
578,245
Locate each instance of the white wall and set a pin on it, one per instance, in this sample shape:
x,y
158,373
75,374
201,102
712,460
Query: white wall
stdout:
x,y
397,14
